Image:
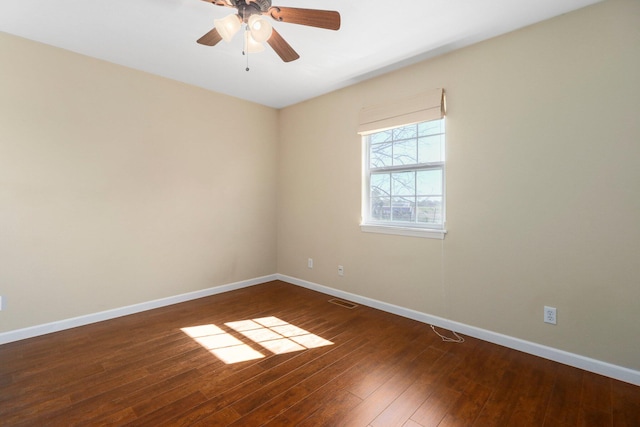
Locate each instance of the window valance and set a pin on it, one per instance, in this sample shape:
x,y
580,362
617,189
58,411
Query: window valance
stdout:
x,y
421,107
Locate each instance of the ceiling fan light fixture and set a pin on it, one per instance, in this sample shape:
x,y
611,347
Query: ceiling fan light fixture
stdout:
x,y
228,26
260,28
252,46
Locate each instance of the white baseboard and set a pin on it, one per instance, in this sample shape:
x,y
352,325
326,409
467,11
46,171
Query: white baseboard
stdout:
x,y
47,328
592,365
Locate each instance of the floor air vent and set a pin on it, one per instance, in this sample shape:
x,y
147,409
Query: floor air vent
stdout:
x,y
341,303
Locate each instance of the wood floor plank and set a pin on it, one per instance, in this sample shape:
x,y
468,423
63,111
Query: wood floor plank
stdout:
x,y
313,402
152,418
589,416
435,407
500,405
199,413
259,396
626,404
401,409
564,402
223,418
336,407
404,374
380,370
382,364
108,403
14,415
536,378
282,402
467,408
596,392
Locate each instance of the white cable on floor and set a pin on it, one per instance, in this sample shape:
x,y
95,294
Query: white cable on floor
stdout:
x,y
457,339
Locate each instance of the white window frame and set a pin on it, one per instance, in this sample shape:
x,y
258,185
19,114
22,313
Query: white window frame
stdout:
x,y
415,229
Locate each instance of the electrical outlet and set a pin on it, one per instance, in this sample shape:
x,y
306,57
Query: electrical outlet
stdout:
x,y
310,263
550,315
340,270
1,303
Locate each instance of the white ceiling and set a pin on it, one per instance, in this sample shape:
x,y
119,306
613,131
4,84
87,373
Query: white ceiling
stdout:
x,y
159,37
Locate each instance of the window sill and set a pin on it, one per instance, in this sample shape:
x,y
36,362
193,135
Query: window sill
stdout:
x,y
427,233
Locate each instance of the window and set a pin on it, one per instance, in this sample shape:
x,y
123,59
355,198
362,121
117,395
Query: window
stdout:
x,y
404,179
403,189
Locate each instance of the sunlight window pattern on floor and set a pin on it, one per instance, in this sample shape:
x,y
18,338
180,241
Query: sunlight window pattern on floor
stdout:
x,y
271,333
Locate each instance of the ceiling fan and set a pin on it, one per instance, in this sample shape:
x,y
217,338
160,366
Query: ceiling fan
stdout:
x,y
259,30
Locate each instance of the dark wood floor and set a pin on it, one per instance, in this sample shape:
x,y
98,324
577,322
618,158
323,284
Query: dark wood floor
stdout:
x,y
377,370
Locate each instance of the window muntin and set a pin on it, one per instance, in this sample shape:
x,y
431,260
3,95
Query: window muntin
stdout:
x,y
404,173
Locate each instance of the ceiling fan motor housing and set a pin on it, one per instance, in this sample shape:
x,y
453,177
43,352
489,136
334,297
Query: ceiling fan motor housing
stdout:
x,y
246,8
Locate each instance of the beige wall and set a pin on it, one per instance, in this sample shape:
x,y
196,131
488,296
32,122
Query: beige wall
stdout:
x,y
117,187
543,187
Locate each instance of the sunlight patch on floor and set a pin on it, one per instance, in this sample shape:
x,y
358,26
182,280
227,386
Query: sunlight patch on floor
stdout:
x,y
221,344
271,333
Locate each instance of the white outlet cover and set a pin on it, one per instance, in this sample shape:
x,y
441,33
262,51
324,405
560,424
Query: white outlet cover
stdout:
x,y
550,315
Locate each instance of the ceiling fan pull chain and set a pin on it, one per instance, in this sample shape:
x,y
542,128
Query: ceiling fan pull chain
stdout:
x,y
245,42
246,47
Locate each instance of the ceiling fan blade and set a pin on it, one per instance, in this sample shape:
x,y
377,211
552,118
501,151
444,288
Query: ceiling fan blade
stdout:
x,y
327,19
282,48
211,38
